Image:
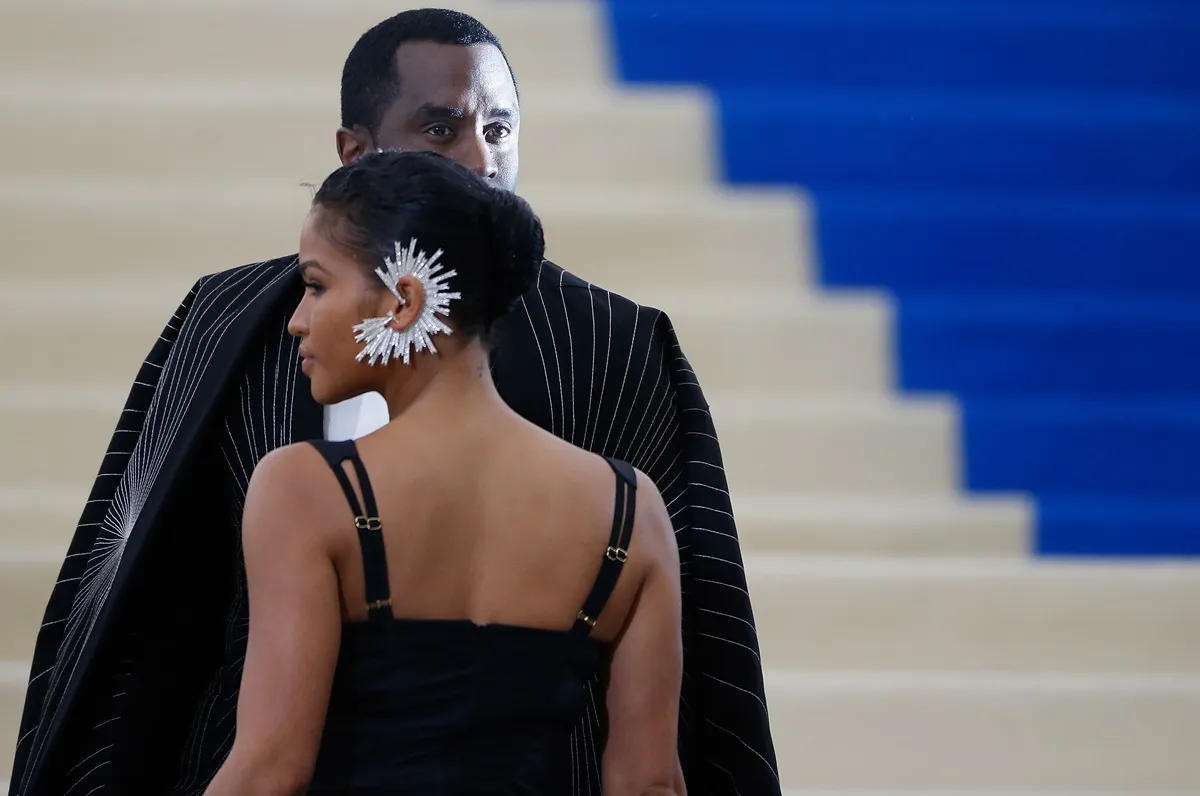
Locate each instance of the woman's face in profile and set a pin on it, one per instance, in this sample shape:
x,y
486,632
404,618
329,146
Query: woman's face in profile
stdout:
x,y
338,293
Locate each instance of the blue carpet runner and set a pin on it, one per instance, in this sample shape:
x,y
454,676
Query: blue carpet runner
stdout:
x,y
1024,177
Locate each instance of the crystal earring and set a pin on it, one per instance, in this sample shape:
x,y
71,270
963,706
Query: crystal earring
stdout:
x,y
383,343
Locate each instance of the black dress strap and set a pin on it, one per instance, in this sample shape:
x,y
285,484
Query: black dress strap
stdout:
x,y
370,536
624,508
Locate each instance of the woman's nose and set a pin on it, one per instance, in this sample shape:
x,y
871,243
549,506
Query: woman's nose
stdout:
x,y
297,327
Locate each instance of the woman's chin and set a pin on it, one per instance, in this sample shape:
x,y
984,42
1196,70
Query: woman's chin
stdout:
x,y
326,393
321,389
325,398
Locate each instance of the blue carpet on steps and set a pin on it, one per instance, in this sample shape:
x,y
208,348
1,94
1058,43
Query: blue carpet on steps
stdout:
x,y
1011,242
1024,177
1080,348
839,138
981,44
1134,449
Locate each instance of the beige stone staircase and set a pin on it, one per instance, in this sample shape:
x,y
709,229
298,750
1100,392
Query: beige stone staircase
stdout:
x,y
910,645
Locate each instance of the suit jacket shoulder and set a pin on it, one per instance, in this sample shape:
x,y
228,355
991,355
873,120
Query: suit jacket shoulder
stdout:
x,y
554,278
263,272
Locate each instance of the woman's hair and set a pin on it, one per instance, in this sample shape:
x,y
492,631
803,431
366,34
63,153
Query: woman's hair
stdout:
x,y
490,236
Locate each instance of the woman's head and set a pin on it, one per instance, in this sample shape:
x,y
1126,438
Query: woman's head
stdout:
x,y
490,238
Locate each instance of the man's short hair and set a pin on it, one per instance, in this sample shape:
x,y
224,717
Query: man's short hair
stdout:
x,y
370,80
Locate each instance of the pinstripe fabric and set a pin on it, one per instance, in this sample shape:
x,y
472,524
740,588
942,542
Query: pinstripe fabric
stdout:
x,y
590,366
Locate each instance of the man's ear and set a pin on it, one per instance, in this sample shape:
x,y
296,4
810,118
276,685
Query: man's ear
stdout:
x,y
352,144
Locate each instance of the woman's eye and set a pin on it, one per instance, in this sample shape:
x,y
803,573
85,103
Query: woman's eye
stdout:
x,y
313,286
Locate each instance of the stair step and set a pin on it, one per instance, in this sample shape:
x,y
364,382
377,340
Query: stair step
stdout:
x,y
40,514
826,345
972,731
820,345
555,42
873,524
28,578
775,523
60,433
827,613
834,613
164,128
132,226
841,444
14,676
1001,735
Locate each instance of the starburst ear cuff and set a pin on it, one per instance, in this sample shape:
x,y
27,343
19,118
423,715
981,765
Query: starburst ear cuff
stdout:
x,y
383,343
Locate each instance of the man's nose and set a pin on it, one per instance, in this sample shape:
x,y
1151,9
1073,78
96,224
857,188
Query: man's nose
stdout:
x,y
479,158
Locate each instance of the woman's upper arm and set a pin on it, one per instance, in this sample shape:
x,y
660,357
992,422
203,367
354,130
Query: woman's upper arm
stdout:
x,y
295,617
646,672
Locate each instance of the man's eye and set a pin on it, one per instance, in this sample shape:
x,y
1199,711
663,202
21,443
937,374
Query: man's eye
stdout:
x,y
440,130
499,133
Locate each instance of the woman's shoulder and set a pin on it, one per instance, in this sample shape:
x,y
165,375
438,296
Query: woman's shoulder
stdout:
x,y
652,522
288,484
577,470
283,465
570,463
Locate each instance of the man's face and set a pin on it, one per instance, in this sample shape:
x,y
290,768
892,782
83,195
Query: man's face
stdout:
x,y
457,101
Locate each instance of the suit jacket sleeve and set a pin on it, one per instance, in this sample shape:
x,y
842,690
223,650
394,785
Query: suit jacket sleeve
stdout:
x,y
116,459
730,748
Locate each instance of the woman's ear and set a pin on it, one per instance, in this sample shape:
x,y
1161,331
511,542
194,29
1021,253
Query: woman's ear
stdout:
x,y
406,312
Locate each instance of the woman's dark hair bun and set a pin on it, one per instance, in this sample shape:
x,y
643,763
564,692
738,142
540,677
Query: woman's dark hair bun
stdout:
x,y
518,247
492,238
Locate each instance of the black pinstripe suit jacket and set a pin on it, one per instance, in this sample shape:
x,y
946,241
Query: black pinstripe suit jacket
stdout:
x,y
135,672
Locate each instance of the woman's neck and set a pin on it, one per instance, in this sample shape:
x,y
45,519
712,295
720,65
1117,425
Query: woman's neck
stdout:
x,y
455,382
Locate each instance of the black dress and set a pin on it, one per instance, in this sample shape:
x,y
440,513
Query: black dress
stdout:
x,y
441,707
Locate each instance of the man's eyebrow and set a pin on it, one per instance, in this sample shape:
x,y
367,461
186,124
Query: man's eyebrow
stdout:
x,y
431,111
440,111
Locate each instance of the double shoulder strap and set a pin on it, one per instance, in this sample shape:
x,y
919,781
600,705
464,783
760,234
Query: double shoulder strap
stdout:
x,y
624,507
370,538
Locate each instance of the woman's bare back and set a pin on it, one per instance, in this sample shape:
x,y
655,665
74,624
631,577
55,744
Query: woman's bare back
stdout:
x,y
501,524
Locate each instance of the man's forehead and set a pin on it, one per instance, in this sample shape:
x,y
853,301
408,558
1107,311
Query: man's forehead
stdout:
x,y
451,76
